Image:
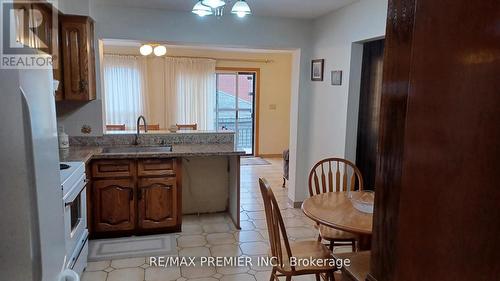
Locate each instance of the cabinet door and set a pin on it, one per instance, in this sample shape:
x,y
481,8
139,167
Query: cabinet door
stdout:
x,y
158,203
114,205
78,58
42,21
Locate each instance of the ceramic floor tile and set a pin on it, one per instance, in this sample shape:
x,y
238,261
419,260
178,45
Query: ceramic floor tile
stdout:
x,y
220,238
232,269
197,272
225,251
238,277
191,229
263,276
255,248
191,241
126,274
97,265
216,227
194,252
162,273
248,236
123,263
94,276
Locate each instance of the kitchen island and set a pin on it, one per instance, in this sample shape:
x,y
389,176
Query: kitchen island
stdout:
x,y
205,166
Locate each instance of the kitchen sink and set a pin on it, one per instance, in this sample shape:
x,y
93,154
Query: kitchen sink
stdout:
x,y
137,149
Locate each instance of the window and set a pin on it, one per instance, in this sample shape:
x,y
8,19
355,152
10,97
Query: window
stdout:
x,y
125,89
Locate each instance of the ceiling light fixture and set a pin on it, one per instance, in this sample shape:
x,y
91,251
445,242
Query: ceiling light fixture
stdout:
x,y
160,50
146,50
156,49
241,9
202,10
216,7
214,4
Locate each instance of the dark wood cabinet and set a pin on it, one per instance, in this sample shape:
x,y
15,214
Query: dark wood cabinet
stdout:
x,y
157,202
78,57
132,196
114,205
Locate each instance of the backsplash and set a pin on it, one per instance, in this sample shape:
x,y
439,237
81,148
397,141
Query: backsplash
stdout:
x,y
152,139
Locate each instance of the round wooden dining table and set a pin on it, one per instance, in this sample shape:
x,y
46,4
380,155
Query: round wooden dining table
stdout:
x,y
335,210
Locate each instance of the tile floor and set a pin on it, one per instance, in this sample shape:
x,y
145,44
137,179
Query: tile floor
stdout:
x,y
215,235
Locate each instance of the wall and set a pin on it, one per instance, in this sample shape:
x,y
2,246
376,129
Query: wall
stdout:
x,y
318,111
175,27
275,88
331,123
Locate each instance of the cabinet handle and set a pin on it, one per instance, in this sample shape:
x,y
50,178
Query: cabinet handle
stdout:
x,y
83,85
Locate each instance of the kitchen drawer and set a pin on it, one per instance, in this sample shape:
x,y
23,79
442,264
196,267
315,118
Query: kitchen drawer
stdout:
x,y
156,167
112,168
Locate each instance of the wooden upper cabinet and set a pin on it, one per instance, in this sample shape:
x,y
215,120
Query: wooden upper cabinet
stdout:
x,y
157,203
114,205
78,56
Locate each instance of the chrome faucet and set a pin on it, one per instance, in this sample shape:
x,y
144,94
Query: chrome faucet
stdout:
x,y
138,128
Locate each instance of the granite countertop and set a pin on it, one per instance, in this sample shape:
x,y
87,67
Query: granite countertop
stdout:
x,y
166,132
86,153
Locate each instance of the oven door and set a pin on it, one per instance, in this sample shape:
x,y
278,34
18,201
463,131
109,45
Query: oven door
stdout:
x,y
75,215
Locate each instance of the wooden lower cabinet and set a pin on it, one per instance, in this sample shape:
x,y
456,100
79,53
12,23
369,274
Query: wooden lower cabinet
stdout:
x,y
157,203
126,203
114,205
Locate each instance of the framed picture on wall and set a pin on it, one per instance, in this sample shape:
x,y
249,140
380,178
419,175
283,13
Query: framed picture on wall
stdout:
x,y
317,68
337,77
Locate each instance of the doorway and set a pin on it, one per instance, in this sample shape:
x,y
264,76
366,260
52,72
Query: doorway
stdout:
x,y
369,111
235,106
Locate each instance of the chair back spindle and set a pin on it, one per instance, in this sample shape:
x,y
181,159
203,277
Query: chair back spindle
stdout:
x,y
340,175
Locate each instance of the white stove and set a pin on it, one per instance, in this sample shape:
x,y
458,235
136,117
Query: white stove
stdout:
x,y
73,183
71,173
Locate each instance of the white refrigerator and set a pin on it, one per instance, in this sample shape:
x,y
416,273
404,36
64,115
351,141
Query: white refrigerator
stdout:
x,y
31,207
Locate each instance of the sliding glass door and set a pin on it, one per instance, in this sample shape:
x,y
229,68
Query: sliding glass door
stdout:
x,y
236,107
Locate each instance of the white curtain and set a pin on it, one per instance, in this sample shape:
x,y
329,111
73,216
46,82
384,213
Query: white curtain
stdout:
x,y
125,89
189,90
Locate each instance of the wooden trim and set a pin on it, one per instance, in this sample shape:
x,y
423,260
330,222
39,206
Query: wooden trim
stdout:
x,y
257,99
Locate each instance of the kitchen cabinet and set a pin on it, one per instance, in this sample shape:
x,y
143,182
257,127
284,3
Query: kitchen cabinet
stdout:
x,y
157,203
114,205
78,57
135,196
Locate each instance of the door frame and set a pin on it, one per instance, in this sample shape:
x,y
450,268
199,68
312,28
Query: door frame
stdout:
x,y
256,100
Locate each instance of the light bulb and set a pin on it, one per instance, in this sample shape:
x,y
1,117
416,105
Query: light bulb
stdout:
x,y
241,14
146,50
160,50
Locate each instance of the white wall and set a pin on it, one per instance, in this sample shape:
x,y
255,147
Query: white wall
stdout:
x,y
325,126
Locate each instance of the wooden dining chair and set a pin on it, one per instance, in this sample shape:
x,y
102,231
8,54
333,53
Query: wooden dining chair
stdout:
x,y
332,175
115,127
282,250
151,127
193,127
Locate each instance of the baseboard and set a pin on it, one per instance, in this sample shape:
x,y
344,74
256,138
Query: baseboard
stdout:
x,y
296,205
270,155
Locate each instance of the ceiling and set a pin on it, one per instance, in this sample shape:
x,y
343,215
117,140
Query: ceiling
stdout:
x,y
304,9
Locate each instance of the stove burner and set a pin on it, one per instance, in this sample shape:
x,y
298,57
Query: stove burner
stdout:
x,y
64,166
